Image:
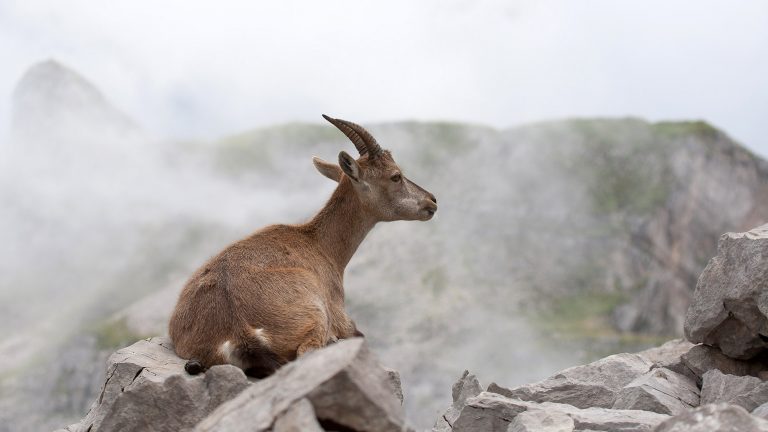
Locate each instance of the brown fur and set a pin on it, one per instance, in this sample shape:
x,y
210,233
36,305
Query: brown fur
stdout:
x,y
288,279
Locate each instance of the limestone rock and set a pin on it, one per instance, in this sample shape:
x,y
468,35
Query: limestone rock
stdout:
x,y
730,305
147,389
745,391
761,411
703,358
669,352
493,412
299,417
537,420
466,387
714,418
344,383
593,385
660,390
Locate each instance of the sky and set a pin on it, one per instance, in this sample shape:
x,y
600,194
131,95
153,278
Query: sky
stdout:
x,y
194,69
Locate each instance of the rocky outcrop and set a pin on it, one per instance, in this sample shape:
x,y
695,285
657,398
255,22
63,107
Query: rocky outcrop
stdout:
x,y
466,387
340,387
493,412
146,388
594,385
717,385
714,418
343,383
745,391
730,306
660,390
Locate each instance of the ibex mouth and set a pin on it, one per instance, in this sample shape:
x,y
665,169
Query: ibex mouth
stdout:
x,y
428,212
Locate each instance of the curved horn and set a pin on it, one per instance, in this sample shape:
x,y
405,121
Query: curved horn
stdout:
x,y
361,138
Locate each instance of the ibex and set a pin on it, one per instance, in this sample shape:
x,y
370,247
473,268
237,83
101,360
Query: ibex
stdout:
x,y
279,293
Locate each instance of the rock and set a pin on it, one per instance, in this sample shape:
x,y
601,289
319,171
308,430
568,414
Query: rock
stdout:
x,y
593,385
537,420
745,391
761,411
466,387
670,356
299,417
147,389
730,303
703,358
669,352
494,412
714,418
660,390
344,383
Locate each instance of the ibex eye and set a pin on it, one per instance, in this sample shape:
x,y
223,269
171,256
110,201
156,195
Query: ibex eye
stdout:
x,y
396,178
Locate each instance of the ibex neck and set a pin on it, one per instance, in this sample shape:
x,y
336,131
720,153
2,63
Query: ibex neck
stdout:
x,y
342,224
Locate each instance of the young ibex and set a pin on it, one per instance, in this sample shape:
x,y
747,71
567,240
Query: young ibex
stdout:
x,y
279,293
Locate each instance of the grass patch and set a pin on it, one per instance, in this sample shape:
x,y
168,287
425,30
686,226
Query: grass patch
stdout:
x,y
113,334
679,129
583,315
258,148
583,322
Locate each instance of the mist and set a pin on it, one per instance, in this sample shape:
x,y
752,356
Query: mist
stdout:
x,y
207,70
131,157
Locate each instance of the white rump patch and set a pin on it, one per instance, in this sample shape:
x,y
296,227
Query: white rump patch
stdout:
x,y
227,349
261,335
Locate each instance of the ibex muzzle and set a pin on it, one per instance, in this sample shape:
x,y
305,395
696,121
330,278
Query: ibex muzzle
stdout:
x,y
278,293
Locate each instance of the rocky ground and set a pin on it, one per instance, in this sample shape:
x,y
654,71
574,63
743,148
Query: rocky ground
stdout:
x,y
714,381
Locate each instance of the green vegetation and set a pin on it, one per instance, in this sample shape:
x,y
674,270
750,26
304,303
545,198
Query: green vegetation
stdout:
x,y
622,163
680,129
585,314
256,149
112,334
583,319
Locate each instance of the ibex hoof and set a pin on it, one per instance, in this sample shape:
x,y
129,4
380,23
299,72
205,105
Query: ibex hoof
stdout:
x,y
194,367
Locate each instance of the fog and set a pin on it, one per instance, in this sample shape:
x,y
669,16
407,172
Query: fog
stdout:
x,y
117,183
192,69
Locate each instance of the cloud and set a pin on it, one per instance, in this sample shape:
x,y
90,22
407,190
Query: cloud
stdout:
x,y
191,69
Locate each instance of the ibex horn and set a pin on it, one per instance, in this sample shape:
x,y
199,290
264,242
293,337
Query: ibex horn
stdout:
x,y
364,142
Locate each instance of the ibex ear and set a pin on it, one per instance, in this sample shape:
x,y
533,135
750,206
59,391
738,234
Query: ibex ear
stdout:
x,y
349,165
327,169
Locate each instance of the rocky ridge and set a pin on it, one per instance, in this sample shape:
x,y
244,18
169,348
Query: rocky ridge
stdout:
x,y
341,387
715,386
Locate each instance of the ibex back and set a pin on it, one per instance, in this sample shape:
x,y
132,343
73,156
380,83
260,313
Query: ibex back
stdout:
x,y
279,293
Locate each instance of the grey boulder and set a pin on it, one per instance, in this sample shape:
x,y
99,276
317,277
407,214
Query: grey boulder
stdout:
x,y
299,417
147,389
343,382
466,387
702,358
494,412
668,352
730,305
745,391
596,384
660,390
761,411
714,418
539,420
